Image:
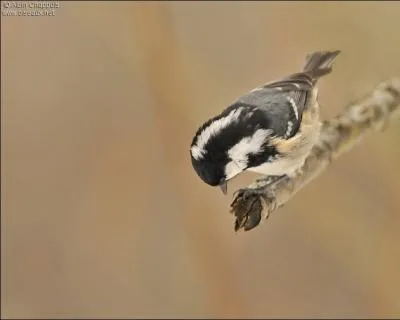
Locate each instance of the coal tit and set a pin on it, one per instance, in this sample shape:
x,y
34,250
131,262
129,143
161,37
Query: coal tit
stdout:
x,y
270,130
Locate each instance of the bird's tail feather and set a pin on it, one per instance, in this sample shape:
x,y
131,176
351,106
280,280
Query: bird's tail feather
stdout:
x,y
319,63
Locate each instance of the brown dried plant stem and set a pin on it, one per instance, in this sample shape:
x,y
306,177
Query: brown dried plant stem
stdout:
x,y
338,135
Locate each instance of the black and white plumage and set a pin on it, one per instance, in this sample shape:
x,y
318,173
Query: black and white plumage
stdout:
x,y
270,130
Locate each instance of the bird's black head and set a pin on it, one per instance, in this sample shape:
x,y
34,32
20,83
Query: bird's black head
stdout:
x,y
210,145
211,172
210,167
228,144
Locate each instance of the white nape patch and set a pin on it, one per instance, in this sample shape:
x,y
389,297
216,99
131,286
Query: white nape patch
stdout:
x,y
289,128
240,151
294,107
212,130
197,153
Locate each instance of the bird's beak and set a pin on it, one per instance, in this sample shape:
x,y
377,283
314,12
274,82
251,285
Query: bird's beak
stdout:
x,y
224,186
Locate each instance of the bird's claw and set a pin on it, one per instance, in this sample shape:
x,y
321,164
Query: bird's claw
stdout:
x,y
247,208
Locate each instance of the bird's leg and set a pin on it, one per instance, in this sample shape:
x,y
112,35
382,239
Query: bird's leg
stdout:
x,y
261,183
269,180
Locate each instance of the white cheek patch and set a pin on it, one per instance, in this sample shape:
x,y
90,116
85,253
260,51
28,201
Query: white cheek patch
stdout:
x,y
239,152
248,145
212,130
232,169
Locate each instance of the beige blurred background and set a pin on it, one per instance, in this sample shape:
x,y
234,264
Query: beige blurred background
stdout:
x,y
102,213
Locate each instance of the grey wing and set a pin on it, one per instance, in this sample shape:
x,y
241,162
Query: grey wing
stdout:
x,y
297,88
282,103
297,81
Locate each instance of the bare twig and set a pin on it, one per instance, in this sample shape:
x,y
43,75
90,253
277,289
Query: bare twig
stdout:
x,y
339,134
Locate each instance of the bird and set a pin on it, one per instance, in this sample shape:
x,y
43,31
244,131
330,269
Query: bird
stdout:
x,y
269,130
